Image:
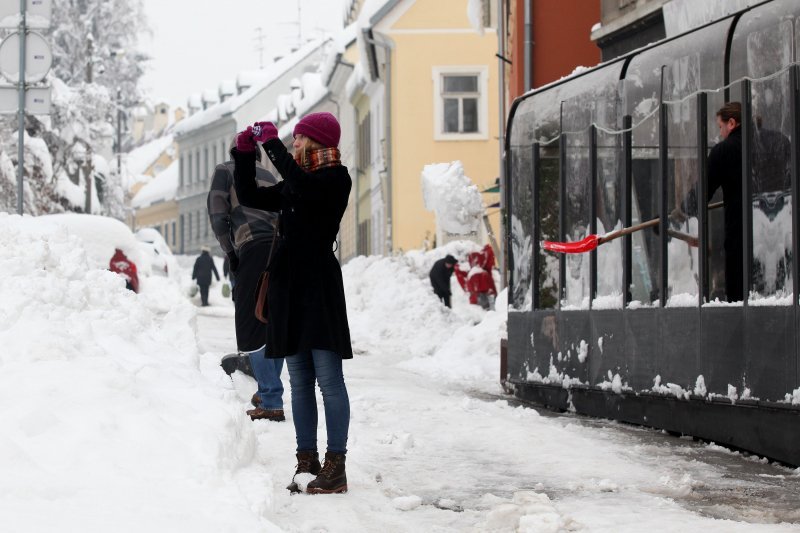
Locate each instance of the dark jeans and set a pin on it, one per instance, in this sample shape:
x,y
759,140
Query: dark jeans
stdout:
x,y
204,294
267,372
444,297
323,367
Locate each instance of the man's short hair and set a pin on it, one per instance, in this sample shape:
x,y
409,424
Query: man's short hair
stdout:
x,y
731,110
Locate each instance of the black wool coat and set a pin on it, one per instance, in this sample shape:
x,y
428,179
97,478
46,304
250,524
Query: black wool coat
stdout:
x,y
306,294
440,277
203,267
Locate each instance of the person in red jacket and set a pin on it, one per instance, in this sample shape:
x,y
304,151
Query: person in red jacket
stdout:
x,y
478,281
126,268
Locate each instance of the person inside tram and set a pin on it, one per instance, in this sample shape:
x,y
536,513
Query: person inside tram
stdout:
x,y
725,171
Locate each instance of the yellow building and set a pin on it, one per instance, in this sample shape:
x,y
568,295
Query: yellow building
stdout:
x,y
439,75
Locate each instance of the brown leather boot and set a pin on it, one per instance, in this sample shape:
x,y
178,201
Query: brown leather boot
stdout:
x,y
276,415
255,400
307,463
332,478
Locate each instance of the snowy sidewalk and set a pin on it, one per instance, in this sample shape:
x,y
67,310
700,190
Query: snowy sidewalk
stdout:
x,y
424,456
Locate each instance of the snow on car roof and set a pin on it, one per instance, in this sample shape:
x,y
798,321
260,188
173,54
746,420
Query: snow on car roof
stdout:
x,y
100,235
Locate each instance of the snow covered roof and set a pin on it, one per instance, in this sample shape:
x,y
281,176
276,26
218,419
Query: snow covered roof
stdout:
x,y
373,11
291,106
138,160
163,188
259,80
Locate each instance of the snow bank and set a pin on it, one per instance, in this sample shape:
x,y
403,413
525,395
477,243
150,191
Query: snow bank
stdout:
x,y
453,197
390,303
108,422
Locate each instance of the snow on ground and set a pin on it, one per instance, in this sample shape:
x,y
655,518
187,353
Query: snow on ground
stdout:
x,y
117,417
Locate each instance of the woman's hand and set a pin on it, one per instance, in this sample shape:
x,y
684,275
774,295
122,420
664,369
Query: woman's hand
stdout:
x,y
245,142
264,131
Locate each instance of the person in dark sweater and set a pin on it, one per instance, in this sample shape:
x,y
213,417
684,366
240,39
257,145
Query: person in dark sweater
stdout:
x,y
246,236
440,278
203,267
725,171
306,303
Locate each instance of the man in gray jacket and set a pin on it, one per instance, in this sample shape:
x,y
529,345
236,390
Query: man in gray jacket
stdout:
x,y
245,236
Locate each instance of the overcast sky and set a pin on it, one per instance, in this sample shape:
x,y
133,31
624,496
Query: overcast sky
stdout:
x,y
195,44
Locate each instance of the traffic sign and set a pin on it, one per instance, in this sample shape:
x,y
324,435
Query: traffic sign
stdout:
x,y
37,100
38,57
38,14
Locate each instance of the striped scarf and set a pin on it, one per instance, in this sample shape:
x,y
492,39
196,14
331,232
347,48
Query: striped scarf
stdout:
x,y
311,160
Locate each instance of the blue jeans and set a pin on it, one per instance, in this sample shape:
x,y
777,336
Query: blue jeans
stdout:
x,y
324,367
268,375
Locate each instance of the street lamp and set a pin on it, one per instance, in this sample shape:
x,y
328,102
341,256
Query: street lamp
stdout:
x,y
82,156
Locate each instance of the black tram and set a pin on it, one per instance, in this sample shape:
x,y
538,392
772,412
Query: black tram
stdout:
x,y
639,330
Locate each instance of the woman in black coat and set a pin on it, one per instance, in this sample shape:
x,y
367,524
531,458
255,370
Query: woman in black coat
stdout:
x,y
306,305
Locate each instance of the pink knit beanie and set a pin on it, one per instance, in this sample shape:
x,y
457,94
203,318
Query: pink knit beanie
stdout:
x,y
321,127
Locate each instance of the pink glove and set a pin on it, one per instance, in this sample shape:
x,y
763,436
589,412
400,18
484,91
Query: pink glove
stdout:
x,y
264,131
245,142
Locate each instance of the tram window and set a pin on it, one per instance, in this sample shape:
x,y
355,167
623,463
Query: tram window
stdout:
x,y
576,120
763,47
771,190
521,226
683,170
547,276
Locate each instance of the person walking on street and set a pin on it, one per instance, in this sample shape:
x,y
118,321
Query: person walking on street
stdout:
x,y
306,302
440,278
246,236
203,267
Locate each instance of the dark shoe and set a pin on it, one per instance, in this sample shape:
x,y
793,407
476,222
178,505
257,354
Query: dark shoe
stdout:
x,y
276,415
332,478
307,463
255,400
235,361
230,363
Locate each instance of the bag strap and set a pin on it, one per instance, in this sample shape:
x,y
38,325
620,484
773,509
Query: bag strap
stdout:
x,y
276,234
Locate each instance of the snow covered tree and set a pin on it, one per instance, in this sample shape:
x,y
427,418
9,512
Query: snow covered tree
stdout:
x,y
95,52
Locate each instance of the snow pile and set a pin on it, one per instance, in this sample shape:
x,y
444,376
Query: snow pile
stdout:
x,y
390,302
673,389
700,386
794,397
614,383
453,197
108,422
527,511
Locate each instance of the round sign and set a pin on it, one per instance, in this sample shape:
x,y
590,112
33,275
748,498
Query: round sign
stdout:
x,y
38,57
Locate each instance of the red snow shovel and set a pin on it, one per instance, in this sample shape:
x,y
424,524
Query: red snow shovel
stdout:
x,y
591,242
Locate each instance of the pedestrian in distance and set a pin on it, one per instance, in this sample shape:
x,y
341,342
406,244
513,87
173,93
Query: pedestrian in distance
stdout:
x,y
246,236
440,278
306,302
203,268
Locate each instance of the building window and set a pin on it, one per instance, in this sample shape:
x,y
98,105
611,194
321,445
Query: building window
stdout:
x,y
461,103
174,230
189,171
364,145
197,165
182,170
